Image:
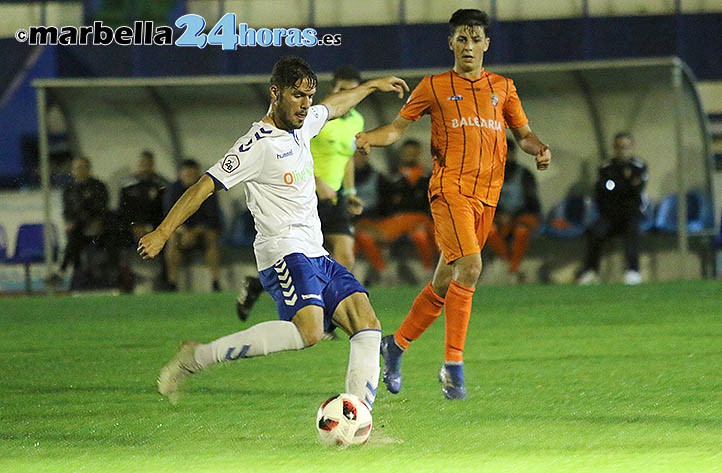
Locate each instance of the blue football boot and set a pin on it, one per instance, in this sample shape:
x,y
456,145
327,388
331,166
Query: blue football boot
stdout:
x,y
451,377
391,353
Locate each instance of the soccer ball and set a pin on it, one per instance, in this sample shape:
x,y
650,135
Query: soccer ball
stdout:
x,y
343,419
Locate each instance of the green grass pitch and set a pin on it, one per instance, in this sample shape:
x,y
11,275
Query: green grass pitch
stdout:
x,y
560,379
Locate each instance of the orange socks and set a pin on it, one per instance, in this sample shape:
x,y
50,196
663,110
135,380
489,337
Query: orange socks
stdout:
x,y
370,250
522,234
458,313
497,243
425,309
424,246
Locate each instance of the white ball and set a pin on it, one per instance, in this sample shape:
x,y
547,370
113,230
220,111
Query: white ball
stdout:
x,y
344,419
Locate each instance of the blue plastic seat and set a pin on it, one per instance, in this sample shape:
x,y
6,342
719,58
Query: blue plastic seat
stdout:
x,y
30,248
647,222
700,213
571,217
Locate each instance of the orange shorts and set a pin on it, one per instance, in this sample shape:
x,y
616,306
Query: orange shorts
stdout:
x,y
461,224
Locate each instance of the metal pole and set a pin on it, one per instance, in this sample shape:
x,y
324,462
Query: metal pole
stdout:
x,y
48,236
682,229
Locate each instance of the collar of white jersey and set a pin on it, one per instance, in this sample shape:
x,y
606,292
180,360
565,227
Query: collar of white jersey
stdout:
x,y
275,131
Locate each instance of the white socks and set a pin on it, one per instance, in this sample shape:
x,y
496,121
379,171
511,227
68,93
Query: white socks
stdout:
x,y
362,377
259,340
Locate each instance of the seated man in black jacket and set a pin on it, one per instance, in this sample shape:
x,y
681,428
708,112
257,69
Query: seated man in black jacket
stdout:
x,y
202,229
618,193
517,214
88,224
141,198
402,210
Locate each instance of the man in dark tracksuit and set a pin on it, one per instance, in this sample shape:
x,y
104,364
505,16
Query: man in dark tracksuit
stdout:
x,y
619,196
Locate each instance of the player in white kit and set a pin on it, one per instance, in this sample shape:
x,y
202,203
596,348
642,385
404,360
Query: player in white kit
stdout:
x,y
312,291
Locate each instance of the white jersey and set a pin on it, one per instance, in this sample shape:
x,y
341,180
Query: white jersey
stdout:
x,y
277,167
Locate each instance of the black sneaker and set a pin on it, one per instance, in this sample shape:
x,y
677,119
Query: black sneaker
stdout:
x,y
251,290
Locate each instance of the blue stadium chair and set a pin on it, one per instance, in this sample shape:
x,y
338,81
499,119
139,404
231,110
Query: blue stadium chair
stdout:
x,y
700,213
571,217
647,222
30,248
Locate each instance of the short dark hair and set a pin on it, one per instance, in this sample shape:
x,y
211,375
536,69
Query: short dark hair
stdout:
x,y
623,134
146,153
289,70
189,163
470,17
346,72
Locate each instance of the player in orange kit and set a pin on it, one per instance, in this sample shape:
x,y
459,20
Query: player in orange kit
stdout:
x,y
470,109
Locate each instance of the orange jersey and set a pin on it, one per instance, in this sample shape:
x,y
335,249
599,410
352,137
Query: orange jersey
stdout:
x,y
469,119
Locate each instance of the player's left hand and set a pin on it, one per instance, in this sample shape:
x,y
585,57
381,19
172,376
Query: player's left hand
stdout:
x,y
543,158
354,205
151,244
391,84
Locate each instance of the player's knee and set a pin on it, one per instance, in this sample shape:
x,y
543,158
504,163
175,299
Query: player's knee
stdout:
x,y
467,270
309,322
440,283
367,319
355,313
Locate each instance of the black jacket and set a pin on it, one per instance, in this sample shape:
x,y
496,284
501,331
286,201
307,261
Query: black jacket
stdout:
x,y
619,187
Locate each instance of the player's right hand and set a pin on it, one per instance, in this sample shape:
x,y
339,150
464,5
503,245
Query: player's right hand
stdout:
x,y
362,143
151,244
544,158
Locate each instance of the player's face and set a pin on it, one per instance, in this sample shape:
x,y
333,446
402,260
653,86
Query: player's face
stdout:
x,y
469,44
623,147
80,169
291,104
188,175
146,166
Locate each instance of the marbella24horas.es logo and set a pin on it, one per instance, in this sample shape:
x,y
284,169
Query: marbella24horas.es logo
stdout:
x,y
226,33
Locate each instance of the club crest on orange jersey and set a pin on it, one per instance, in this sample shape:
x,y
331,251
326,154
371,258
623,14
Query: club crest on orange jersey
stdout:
x,y
455,98
494,100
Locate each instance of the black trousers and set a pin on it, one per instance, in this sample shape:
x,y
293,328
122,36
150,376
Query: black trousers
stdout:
x,y
624,225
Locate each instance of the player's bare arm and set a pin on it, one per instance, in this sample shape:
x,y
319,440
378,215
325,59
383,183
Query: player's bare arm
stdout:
x,y
531,144
152,243
383,135
340,103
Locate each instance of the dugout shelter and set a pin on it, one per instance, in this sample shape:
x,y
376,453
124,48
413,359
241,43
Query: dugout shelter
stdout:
x,y
577,107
